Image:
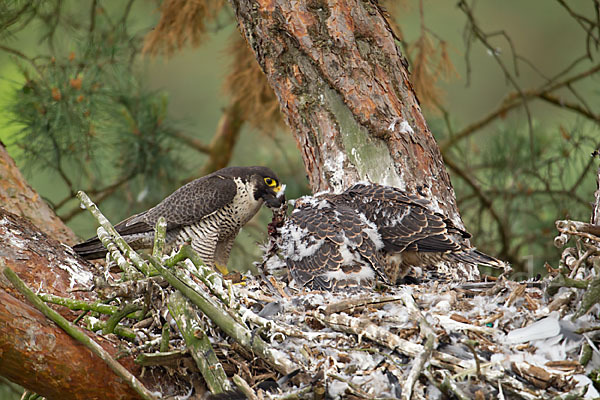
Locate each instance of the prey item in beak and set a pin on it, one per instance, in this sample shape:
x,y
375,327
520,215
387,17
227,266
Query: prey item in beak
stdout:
x,y
277,200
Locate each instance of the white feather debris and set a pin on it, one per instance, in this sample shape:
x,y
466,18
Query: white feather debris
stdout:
x,y
582,382
142,194
405,127
501,352
392,125
545,328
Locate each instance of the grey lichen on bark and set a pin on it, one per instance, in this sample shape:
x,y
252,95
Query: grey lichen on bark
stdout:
x,y
344,89
368,155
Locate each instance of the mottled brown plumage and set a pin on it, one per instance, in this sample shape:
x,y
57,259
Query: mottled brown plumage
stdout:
x,y
369,231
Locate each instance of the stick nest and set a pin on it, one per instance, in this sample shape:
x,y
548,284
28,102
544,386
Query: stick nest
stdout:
x,y
475,340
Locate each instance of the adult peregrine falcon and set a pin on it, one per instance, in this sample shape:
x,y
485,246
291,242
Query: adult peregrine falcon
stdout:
x,y
369,232
209,212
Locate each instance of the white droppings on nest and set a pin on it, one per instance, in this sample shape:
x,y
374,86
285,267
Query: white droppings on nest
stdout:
x,y
359,361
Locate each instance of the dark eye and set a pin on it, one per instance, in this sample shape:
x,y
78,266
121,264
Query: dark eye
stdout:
x,y
270,182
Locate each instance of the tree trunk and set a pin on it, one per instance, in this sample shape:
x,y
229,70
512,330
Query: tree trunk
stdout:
x,y
34,352
17,197
343,87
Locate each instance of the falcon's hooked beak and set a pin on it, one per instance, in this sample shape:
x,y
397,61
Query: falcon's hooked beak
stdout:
x,y
278,199
271,191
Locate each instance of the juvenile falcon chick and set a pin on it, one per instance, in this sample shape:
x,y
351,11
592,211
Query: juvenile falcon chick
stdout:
x,y
369,232
209,212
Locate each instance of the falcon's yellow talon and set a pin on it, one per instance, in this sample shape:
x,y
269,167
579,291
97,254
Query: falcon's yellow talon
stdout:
x,y
241,282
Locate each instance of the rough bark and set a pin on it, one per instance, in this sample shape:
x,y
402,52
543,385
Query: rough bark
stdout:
x,y
344,89
39,356
17,197
34,352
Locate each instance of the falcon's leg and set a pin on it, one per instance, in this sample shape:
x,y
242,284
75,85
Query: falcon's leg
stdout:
x,y
203,242
396,267
222,251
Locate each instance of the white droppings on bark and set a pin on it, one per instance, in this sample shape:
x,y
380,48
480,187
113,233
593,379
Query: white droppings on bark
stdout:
x,y
77,275
334,168
11,236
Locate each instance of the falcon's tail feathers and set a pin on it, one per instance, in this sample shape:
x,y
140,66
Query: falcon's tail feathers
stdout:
x,y
474,256
91,249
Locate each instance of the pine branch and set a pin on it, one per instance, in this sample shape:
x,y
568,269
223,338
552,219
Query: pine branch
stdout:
x,y
94,325
213,280
417,368
135,258
483,38
512,101
192,142
22,56
244,387
74,304
111,323
198,343
278,360
107,241
160,234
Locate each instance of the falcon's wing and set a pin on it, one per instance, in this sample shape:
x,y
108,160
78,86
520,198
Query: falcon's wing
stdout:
x,y
404,222
330,247
187,205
